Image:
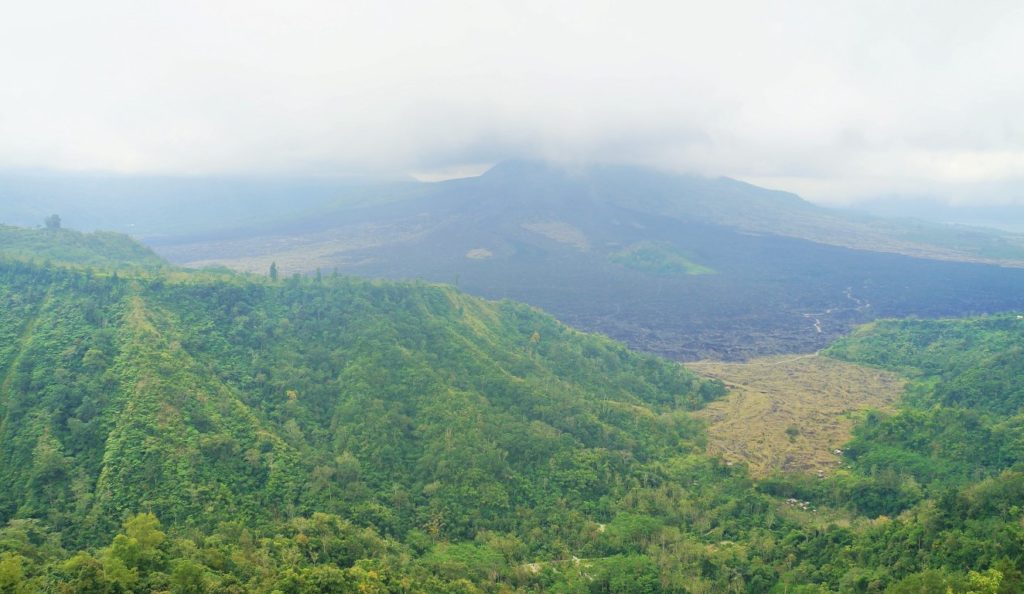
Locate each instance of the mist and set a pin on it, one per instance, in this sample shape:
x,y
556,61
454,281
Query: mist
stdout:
x,y
840,103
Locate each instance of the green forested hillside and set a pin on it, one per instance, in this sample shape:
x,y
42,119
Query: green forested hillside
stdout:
x,y
100,249
962,420
190,432
401,407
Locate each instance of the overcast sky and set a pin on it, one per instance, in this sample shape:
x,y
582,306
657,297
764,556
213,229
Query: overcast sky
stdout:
x,y
837,101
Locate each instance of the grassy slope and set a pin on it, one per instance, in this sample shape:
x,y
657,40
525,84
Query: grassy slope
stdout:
x,y
653,258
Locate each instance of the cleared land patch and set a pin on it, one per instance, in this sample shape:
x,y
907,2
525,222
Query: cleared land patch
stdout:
x,y
790,413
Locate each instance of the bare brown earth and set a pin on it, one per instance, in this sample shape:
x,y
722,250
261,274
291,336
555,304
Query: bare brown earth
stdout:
x,y
816,398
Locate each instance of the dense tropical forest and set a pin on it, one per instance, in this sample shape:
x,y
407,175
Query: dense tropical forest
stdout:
x,y
168,430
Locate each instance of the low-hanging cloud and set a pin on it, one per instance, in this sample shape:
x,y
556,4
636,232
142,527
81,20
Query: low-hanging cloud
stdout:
x,y
838,101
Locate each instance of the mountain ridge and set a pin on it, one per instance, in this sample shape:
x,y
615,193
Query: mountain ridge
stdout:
x,y
205,398
612,249
99,249
627,252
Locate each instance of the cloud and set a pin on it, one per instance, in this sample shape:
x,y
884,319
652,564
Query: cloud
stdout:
x,y
838,100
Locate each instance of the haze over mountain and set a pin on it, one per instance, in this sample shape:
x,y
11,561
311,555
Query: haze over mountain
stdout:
x,y
840,103
683,266
162,206
1007,217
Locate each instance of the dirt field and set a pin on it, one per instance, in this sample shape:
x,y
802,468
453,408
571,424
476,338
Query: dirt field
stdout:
x,y
791,413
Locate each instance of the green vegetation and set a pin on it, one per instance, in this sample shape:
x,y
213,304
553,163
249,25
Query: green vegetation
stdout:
x,y
187,432
52,244
963,419
657,258
409,409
